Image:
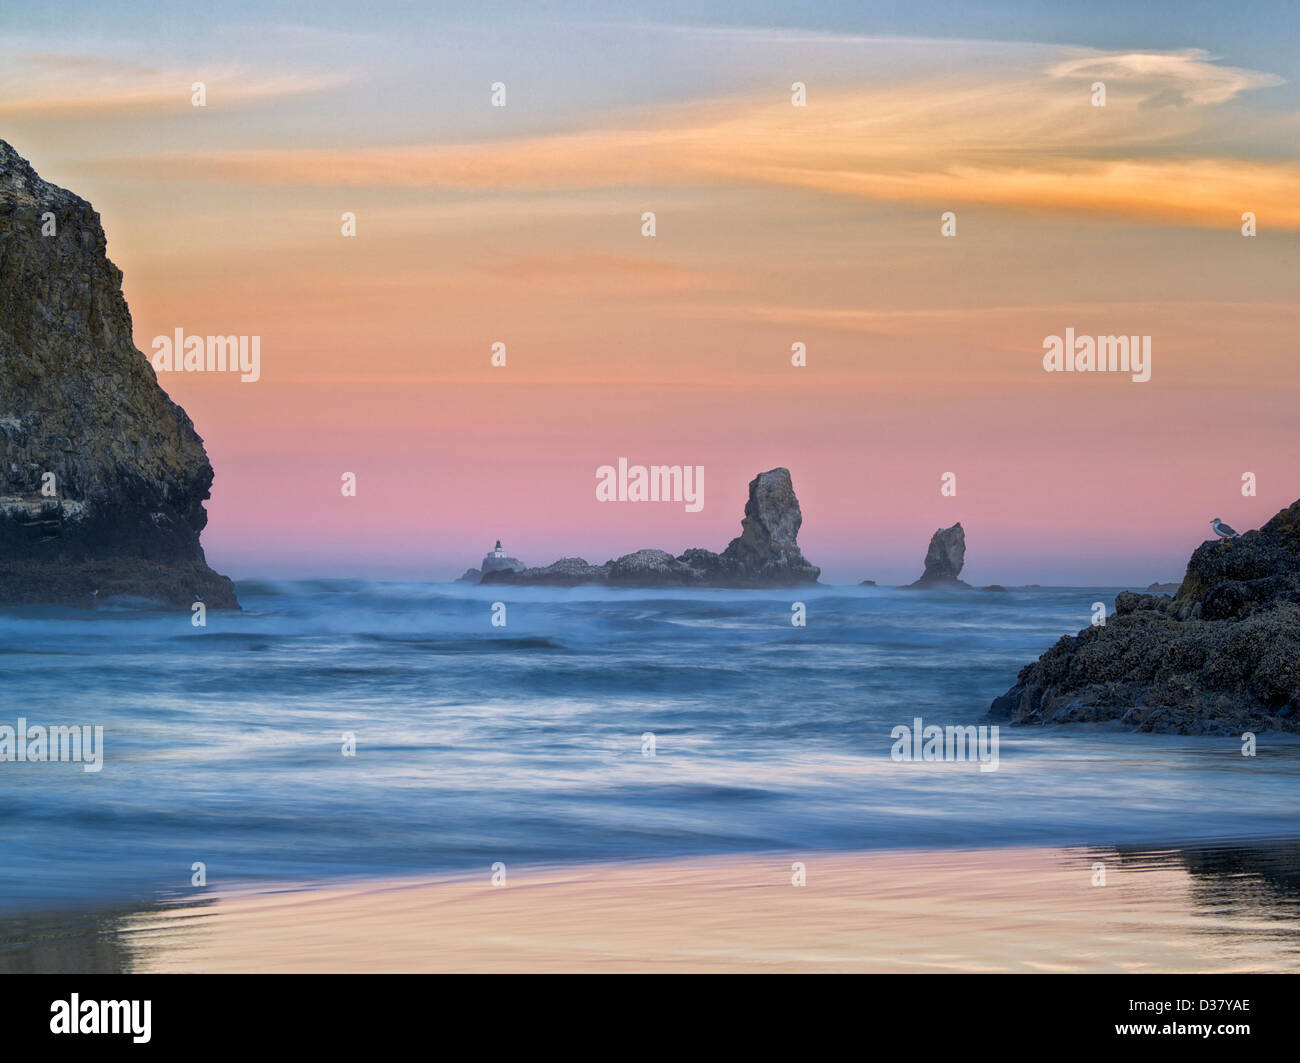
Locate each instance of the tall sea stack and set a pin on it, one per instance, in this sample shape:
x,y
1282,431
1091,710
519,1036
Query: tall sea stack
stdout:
x,y
944,560
102,476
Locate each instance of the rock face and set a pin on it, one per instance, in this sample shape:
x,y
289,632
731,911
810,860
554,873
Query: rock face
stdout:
x,y
651,568
501,564
944,559
102,477
566,572
765,554
1221,657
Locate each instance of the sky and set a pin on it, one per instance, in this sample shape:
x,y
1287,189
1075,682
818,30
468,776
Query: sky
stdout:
x,y
775,224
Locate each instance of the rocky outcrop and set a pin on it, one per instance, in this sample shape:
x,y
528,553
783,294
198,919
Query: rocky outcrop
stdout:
x,y
652,568
1163,588
566,572
766,550
765,554
1221,657
495,561
102,477
944,560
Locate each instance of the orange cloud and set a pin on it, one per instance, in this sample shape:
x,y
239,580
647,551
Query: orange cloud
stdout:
x,y
1018,141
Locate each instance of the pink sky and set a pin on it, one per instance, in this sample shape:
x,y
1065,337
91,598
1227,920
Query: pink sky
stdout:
x,y
775,225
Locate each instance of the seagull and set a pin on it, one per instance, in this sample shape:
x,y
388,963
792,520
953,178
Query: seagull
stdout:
x,y
1222,530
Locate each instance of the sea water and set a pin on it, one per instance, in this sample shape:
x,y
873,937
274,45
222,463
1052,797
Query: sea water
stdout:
x,y
595,724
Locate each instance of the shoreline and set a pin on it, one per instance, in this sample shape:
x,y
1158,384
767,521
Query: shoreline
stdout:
x,y
993,910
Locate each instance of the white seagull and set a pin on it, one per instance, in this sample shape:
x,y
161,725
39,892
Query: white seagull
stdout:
x,y
1222,530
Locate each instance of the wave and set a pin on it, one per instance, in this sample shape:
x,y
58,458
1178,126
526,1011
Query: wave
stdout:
x,y
226,743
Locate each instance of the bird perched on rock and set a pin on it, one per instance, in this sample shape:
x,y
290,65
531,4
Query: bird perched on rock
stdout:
x,y
1222,530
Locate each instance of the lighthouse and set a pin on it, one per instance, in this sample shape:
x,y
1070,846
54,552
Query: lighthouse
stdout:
x,y
497,551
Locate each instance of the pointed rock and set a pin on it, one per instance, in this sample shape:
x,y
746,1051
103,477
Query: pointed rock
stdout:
x,y
944,560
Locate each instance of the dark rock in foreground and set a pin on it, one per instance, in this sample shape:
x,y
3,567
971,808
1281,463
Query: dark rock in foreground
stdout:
x,y
765,554
944,560
102,476
1222,657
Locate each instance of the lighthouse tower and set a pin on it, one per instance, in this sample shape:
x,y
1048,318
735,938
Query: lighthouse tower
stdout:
x,y
498,552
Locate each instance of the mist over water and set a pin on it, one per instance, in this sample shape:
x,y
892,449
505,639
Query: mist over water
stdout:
x,y
524,744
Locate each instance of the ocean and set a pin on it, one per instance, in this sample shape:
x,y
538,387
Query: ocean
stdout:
x,y
528,743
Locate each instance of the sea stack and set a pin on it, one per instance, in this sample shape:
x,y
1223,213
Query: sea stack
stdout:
x,y
765,554
102,476
944,560
1221,657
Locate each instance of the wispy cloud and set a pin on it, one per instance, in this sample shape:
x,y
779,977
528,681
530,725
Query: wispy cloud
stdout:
x,y
72,85
1186,77
1027,140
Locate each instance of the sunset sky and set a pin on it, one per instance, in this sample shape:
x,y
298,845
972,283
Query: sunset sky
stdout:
x,y
776,224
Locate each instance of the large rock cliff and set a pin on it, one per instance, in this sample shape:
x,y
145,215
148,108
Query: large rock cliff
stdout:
x,y
1221,657
102,477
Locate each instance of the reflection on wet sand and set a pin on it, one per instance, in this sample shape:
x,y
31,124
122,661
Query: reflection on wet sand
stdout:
x,y
1211,909
85,942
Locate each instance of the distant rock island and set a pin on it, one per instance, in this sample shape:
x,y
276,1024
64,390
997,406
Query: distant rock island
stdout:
x,y
765,554
496,561
944,559
102,476
1221,657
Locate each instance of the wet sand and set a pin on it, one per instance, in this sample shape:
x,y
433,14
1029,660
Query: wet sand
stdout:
x,y
1012,910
